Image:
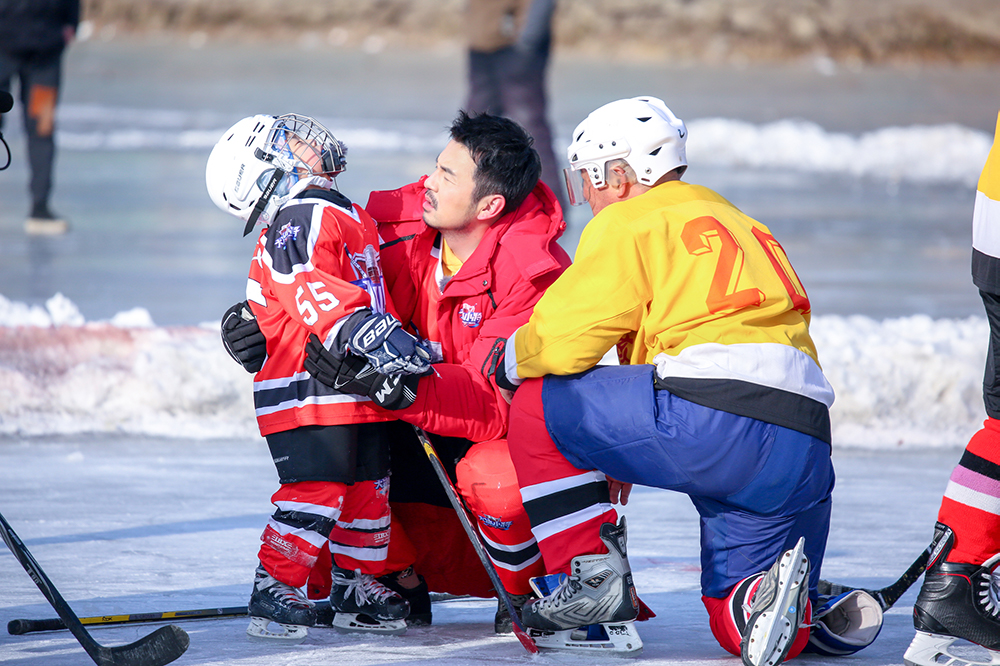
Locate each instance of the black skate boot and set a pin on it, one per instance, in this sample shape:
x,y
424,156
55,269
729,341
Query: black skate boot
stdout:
x,y
419,597
502,623
594,607
366,605
956,601
278,611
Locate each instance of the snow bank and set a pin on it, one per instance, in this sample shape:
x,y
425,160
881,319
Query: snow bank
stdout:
x,y
908,382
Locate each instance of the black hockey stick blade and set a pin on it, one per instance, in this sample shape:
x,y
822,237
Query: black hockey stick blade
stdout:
x,y
456,503
158,648
890,594
19,627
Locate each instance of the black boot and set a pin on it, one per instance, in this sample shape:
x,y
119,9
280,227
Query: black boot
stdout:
x,y
419,596
956,601
502,624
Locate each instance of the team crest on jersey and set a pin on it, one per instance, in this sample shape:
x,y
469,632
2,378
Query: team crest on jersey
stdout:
x,y
496,523
382,486
468,315
285,234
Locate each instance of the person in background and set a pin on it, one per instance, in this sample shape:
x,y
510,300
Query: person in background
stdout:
x,y
509,46
960,595
33,36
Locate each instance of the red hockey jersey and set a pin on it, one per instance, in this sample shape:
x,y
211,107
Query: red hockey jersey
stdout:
x,y
488,298
314,266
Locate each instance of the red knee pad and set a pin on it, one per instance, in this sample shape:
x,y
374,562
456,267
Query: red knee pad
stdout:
x,y
728,617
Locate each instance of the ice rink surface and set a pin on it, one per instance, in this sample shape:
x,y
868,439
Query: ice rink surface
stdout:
x,y
133,525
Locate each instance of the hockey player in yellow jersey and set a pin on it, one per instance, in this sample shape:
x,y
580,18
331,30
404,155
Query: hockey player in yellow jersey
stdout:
x,y
720,395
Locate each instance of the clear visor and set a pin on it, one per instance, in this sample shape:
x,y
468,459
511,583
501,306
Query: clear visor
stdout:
x,y
574,185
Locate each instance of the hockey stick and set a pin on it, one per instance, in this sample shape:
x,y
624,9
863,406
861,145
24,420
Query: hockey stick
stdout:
x,y
158,648
19,627
456,503
890,594
27,626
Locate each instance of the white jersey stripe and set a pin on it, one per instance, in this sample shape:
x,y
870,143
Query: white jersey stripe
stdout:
x,y
329,512
510,549
516,567
545,488
363,554
986,225
314,539
562,523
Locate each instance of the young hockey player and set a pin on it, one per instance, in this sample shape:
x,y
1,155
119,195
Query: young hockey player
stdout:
x,y
721,397
315,271
467,252
960,595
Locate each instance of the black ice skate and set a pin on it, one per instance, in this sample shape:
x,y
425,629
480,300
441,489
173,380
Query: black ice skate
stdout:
x,y
777,609
956,601
502,622
419,596
595,607
278,611
365,605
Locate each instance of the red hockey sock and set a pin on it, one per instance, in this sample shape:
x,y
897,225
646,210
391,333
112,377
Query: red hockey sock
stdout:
x,y
971,503
566,505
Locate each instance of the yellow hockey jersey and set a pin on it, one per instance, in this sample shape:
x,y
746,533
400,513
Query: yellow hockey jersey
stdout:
x,y
680,278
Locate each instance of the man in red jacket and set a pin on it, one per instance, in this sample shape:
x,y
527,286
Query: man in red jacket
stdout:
x,y
466,251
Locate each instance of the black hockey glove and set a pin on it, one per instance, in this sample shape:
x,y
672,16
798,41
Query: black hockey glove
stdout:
x,y
242,338
496,365
380,338
354,374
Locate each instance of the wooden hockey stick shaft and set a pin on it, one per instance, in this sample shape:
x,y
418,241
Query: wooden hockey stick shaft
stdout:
x,y
156,649
484,557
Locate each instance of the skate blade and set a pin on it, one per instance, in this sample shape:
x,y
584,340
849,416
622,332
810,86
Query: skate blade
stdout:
x,y
264,630
608,638
932,650
353,623
772,633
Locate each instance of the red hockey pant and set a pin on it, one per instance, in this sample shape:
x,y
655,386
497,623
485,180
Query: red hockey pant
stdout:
x,y
488,485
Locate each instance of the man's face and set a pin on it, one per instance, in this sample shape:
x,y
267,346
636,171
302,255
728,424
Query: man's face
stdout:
x,y
598,199
448,200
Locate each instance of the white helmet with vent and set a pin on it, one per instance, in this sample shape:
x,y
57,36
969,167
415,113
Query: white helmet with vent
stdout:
x,y
641,130
262,161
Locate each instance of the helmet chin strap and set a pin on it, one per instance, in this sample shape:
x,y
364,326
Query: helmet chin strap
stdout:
x,y
265,197
262,200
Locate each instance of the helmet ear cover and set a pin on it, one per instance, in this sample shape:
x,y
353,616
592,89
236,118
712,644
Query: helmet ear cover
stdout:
x,y
641,130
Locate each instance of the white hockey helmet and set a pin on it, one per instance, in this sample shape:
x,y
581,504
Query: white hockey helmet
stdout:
x,y
254,166
641,130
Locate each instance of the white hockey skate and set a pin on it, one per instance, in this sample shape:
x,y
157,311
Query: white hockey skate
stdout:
x,y
777,609
365,605
957,602
592,610
278,612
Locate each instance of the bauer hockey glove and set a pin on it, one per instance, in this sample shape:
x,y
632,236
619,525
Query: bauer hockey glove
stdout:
x,y
242,338
353,374
380,338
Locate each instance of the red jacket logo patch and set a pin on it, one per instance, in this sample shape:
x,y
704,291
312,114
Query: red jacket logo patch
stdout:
x,y
468,315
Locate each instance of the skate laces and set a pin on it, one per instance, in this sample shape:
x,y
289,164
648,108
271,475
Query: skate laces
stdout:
x,y
989,584
563,593
364,586
285,593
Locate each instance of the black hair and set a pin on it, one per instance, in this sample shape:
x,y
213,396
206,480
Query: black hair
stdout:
x,y
506,162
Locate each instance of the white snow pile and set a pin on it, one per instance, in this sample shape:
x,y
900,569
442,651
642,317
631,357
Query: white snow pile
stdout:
x,y
908,382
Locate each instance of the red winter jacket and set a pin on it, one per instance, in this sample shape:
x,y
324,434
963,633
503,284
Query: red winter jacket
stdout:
x,y
491,295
